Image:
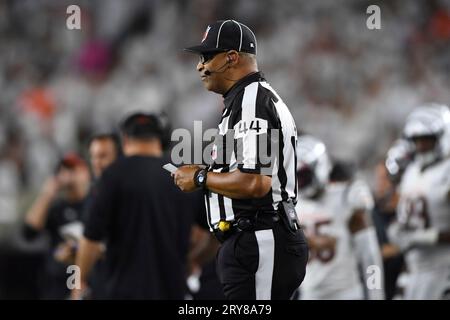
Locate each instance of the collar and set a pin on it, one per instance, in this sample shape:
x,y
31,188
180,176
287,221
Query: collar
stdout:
x,y
240,85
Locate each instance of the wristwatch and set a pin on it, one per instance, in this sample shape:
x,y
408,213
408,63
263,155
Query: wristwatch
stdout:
x,y
200,178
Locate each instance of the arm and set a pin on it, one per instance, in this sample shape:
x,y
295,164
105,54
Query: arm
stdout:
x,y
368,253
236,184
88,254
406,239
239,185
36,217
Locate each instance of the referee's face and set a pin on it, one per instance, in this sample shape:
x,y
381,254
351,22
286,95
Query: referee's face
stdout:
x,y
212,68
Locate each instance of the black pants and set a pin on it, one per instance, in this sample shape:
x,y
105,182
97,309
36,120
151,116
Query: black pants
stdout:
x,y
262,265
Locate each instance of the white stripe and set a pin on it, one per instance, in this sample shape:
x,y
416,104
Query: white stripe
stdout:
x,y
228,206
249,141
289,165
254,37
215,210
263,276
288,130
276,185
218,33
223,126
233,162
240,42
207,212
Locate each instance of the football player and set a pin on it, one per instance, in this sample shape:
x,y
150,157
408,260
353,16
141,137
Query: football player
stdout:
x,y
388,173
336,217
422,227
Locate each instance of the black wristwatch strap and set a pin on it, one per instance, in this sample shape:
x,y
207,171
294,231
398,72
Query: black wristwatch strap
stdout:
x,y
200,177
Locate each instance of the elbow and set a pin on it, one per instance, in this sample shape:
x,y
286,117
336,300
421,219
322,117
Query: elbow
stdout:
x,y
259,187
259,192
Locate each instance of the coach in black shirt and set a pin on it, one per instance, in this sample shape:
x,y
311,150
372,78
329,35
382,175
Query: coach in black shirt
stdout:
x,y
143,219
250,197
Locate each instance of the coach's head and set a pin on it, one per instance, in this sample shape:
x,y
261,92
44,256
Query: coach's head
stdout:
x,y
227,54
142,134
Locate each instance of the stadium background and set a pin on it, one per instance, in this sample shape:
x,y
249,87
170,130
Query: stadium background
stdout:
x,y
350,86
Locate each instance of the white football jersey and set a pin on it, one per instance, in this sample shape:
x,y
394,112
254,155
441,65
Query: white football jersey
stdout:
x,y
333,274
424,203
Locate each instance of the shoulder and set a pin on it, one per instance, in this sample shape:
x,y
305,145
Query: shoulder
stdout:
x,y
114,170
143,166
114,167
256,93
256,101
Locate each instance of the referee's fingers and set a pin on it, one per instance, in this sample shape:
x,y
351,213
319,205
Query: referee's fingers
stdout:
x,y
176,176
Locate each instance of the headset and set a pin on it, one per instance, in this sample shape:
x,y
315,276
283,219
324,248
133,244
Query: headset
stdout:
x,y
209,72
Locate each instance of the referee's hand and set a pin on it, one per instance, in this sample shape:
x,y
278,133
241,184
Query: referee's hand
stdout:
x,y
184,177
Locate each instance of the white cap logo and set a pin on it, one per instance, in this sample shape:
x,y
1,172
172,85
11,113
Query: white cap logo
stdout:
x,y
205,34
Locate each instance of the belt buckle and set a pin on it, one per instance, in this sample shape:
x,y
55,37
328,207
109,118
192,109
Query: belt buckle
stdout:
x,y
244,224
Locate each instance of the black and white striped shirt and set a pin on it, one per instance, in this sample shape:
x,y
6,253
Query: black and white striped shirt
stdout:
x,y
254,117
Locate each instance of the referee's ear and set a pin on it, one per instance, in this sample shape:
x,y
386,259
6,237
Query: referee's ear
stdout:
x,y
233,58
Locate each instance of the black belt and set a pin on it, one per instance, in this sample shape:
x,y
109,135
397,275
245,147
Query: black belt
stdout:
x,y
261,221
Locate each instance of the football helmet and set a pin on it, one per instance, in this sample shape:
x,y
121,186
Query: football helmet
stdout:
x,y
313,165
430,120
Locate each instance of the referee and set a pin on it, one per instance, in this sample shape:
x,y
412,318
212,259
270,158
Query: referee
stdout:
x,y
250,205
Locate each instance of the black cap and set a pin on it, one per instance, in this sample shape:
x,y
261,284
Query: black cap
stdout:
x,y
224,35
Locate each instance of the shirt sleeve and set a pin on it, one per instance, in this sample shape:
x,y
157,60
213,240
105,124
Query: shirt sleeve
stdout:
x,y
101,210
253,135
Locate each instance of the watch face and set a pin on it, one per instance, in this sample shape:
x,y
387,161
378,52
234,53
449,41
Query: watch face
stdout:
x,y
201,179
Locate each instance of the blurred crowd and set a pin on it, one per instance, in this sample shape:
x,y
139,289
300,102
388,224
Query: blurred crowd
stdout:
x,y
344,83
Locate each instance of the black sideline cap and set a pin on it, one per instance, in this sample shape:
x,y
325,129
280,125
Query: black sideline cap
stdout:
x,y
224,35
